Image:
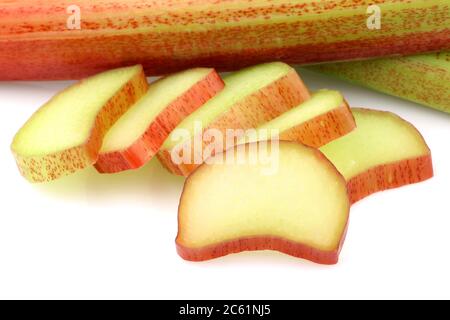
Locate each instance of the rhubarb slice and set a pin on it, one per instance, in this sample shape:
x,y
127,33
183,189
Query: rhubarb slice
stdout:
x,y
137,136
251,97
424,79
66,133
62,39
299,206
316,122
383,152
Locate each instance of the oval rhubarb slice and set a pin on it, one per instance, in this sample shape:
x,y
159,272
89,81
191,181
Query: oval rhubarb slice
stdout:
x,y
138,135
66,133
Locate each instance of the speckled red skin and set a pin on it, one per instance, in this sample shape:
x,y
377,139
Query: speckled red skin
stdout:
x,y
168,36
322,129
291,248
264,105
52,166
390,176
143,149
423,79
282,245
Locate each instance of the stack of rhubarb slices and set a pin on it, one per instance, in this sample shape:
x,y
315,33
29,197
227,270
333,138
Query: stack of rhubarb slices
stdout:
x,y
269,165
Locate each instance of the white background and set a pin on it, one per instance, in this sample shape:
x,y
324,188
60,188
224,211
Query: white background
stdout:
x,y
94,236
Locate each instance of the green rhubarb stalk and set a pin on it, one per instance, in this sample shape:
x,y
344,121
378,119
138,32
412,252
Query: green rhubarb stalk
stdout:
x,y
424,79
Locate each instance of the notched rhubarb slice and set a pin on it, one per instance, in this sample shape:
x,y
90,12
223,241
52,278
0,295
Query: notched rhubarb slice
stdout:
x,y
285,197
251,97
137,136
383,152
316,122
66,133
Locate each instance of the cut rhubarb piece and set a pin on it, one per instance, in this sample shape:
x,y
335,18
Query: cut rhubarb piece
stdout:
x,y
172,35
424,79
285,197
137,136
383,152
66,133
251,97
316,122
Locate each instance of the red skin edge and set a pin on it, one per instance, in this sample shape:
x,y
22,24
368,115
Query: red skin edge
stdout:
x,y
288,247
295,249
143,149
109,113
390,176
322,129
